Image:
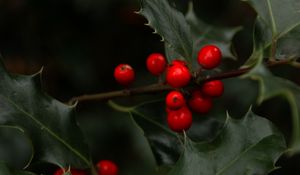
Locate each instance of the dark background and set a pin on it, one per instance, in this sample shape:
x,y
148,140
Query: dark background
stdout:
x,y
79,42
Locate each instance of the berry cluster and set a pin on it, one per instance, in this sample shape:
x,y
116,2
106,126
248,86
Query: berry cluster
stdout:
x,y
178,75
104,167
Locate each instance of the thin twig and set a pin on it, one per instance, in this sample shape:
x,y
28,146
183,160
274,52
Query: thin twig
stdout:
x,y
159,87
122,93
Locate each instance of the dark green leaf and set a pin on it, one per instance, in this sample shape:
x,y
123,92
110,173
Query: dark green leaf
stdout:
x,y
260,37
288,46
281,25
250,145
272,86
150,118
170,24
50,124
171,54
15,147
204,34
4,170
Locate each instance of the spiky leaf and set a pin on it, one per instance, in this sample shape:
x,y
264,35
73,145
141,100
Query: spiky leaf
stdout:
x,y
271,86
50,124
170,24
250,145
280,27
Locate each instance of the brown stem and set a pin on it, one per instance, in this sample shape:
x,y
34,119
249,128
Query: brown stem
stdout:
x,y
236,73
122,93
162,87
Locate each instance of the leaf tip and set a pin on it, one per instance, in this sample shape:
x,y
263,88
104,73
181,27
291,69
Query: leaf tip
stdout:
x,y
228,118
138,12
73,103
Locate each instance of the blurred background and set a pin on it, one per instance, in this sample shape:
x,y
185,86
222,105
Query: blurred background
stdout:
x,y
79,42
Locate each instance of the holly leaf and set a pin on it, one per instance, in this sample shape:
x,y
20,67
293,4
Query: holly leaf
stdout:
x,y
288,46
50,124
7,171
170,24
14,143
166,145
281,27
204,34
260,37
250,145
171,54
149,117
271,86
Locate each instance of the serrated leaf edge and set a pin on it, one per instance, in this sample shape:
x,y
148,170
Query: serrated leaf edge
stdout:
x,y
35,76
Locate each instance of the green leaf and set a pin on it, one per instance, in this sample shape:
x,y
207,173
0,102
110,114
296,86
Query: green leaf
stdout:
x,y
288,46
50,124
260,37
271,86
281,26
250,145
170,24
4,170
204,34
171,54
150,118
14,142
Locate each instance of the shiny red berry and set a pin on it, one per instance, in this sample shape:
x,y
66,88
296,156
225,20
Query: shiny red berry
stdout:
x,y
213,88
156,63
73,172
179,62
200,103
180,119
175,100
178,76
209,56
107,167
124,74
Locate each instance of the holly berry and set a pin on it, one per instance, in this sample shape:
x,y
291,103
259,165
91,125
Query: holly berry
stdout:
x,y
156,63
200,103
213,88
124,74
180,119
209,56
107,167
179,62
175,100
73,172
178,75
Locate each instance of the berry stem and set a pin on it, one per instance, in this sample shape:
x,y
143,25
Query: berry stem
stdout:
x,y
153,88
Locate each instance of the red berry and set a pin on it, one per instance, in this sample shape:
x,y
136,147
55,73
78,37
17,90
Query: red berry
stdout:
x,y
156,63
180,119
200,103
178,76
175,100
73,172
124,74
179,62
213,88
107,167
209,56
